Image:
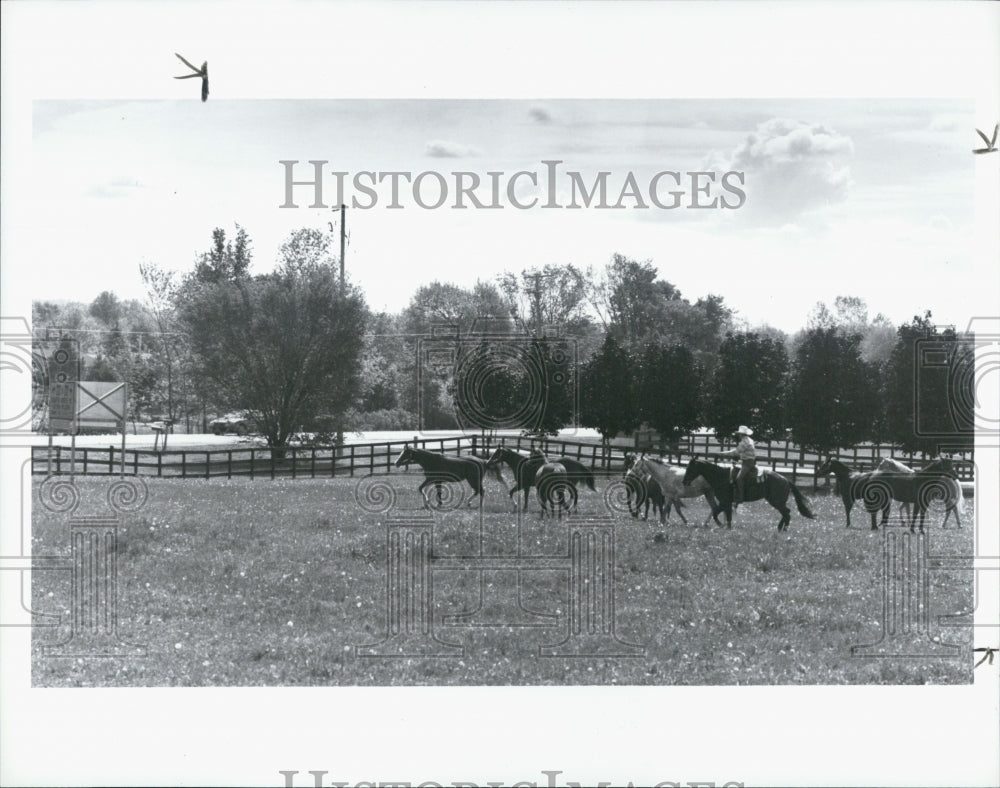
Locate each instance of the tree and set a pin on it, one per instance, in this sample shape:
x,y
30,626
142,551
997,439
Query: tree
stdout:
x,y
307,248
929,388
106,308
749,385
669,390
833,397
167,343
284,346
554,295
441,319
226,260
626,300
607,396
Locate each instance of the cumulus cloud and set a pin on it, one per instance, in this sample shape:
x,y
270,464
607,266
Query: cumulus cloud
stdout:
x,y
540,115
791,167
442,149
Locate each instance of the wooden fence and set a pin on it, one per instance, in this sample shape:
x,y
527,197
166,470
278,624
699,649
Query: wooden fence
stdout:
x,y
865,456
313,462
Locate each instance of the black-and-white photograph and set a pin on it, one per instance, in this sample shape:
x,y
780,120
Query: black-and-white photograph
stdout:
x,y
635,392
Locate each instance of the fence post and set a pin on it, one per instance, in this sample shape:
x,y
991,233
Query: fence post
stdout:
x,y
229,464
159,465
135,463
352,459
111,459
252,463
312,466
272,463
208,462
293,463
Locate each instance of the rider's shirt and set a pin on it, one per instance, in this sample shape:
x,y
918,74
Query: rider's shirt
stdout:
x,y
744,450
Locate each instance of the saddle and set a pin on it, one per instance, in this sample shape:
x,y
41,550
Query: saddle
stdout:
x,y
751,483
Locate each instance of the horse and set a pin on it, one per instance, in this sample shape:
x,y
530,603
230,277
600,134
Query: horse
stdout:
x,y
671,482
526,468
439,469
647,491
937,479
852,485
576,469
552,481
492,470
523,468
951,487
771,486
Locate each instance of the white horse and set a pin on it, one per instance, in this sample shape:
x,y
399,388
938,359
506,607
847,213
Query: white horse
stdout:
x,y
671,482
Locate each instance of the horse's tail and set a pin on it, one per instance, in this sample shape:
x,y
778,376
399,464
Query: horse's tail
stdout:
x,y
800,501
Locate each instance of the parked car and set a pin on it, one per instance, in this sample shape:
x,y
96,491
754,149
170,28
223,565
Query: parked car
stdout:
x,y
238,423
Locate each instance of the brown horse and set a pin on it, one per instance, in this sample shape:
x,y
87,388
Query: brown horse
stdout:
x,y
772,487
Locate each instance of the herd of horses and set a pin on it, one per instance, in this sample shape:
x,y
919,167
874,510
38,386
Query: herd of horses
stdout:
x,y
651,481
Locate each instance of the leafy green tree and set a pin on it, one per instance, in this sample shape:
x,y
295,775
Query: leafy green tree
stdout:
x,y
284,346
608,400
226,260
669,390
833,398
928,392
107,308
749,386
551,296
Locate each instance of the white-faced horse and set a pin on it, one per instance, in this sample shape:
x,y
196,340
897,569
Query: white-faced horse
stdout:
x,y
671,483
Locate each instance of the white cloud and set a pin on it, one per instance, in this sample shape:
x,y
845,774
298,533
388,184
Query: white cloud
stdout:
x,y
791,168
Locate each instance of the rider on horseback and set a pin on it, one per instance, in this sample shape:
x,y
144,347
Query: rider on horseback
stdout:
x,y
747,456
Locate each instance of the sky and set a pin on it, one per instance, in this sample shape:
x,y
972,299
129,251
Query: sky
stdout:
x,y
860,197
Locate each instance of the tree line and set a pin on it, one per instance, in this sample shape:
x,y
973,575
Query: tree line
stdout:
x,y
611,348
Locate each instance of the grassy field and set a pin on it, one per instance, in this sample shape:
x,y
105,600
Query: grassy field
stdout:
x,y
242,583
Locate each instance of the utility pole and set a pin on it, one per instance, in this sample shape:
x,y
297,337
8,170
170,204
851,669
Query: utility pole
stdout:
x,y
536,293
343,235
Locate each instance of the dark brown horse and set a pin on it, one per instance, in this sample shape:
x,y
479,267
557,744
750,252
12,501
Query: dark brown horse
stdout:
x,y
439,469
772,487
555,489
851,484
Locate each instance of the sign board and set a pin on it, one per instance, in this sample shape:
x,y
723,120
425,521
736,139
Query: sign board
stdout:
x,y
100,404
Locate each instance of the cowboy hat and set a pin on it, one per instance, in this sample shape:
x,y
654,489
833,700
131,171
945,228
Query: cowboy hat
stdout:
x,y
744,430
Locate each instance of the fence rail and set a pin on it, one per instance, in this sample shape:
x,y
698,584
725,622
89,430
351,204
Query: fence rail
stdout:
x,y
351,459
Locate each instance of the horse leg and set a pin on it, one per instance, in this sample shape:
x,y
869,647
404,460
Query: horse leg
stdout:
x,y
848,505
423,494
677,506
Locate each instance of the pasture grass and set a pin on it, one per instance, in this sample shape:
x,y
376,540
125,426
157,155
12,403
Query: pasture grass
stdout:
x,y
240,583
